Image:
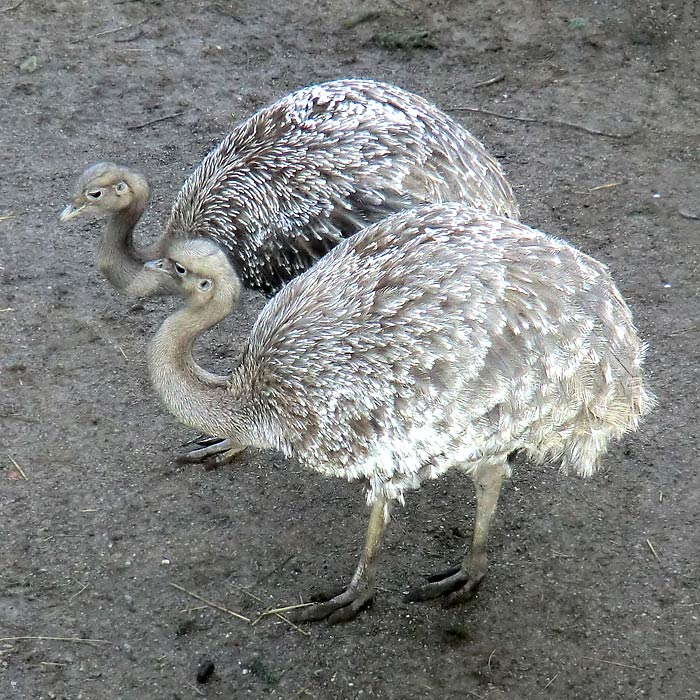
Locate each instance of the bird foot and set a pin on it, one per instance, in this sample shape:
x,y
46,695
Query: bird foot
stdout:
x,y
455,585
212,452
335,607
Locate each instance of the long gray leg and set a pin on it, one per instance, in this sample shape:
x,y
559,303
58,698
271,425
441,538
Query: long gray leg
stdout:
x,y
460,583
359,593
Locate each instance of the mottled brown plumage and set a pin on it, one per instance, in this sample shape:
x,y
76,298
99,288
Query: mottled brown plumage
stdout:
x,y
440,337
293,180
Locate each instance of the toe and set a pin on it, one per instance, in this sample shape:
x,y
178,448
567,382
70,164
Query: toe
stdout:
x,y
441,575
339,608
438,588
461,595
323,596
350,612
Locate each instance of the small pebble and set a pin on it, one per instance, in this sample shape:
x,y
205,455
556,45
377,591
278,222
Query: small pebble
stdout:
x,y
29,65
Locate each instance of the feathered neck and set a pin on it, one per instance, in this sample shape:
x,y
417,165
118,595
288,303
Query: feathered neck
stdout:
x,y
117,257
196,397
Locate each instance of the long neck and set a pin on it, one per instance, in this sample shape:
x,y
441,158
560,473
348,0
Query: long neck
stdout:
x,y
195,397
118,259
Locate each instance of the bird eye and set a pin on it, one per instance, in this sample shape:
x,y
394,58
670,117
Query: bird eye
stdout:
x,y
180,269
121,187
204,285
94,194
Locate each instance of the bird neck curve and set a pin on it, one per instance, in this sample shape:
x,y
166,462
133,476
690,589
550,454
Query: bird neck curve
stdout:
x,y
117,257
196,397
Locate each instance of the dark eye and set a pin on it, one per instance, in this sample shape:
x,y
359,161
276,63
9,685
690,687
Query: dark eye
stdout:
x,y
204,285
180,269
94,194
121,187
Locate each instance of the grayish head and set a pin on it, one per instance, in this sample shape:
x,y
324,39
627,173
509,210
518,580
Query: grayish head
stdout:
x,y
201,270
106,188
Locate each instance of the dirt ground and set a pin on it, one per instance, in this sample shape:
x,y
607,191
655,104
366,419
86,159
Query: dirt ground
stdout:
x,y
593,586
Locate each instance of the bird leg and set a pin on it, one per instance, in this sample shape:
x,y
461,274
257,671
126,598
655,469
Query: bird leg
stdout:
x,y
358,595
460,583
212,452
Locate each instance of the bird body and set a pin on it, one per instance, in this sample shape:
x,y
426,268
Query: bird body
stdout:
x,y
297,177
439,337
324,162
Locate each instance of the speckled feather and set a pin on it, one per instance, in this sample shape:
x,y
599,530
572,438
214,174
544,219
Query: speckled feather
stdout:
x,y
439,337
322,163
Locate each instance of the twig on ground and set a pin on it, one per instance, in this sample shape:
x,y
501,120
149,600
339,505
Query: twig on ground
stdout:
x,y
109,31
17,416
9,8
156,121
490,81
551,681
193,609
688,215
278,612
653,551
607,186
489,661
5,217
6,310
613,663
400,6
476,695
75,595
552,122
283,618
79,640
17,467
210,604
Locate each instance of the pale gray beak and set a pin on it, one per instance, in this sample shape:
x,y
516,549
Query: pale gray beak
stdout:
x,y
161,265
70,212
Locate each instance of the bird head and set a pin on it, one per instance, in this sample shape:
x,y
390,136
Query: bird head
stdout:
x,y
200,270
106,188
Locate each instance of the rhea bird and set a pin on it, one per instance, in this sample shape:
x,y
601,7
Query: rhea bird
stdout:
x,y
296,178
439,337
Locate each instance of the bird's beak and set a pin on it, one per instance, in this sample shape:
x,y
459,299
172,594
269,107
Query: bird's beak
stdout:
x,y
161,266
71,211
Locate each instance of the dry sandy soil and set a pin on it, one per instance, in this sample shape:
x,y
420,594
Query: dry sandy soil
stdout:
x,y
593,587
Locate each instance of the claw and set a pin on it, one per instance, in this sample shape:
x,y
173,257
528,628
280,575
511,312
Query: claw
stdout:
x,y
441,575
202,441
213,453
462,594
457,586
326,595
340,608
350,612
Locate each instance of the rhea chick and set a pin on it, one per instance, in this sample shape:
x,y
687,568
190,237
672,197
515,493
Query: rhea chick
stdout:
x,y
296,178
440,337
